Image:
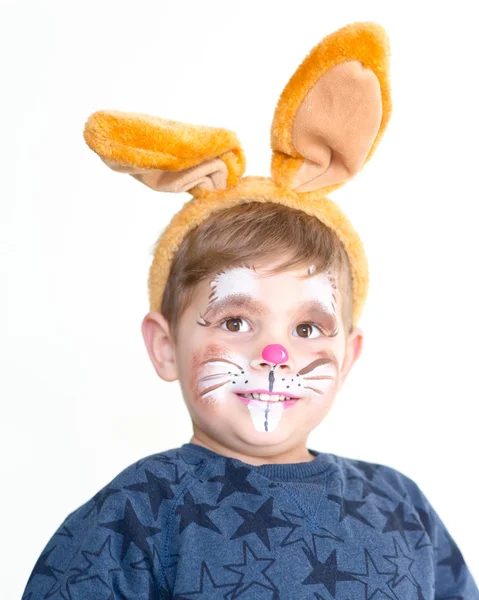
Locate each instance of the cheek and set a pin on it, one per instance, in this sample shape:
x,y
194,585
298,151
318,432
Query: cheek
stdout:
x,y
208,376
321,382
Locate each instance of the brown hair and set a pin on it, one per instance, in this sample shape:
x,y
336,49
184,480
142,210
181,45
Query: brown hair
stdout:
x,y
252,233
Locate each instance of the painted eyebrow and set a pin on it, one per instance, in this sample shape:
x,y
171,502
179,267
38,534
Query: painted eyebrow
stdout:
x,y
314,308
238,301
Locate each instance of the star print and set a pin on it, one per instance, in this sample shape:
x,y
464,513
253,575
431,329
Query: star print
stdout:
x,y
100,498
192,512
369,488
395,521
259,522
326,573
64,532
208,587
42,568
375,580
425,520
158,457
420,595
293,536
234,480
369,469
455,559
152,564
252,570
99,565
350,508
402,563
132,530
157,488
61,587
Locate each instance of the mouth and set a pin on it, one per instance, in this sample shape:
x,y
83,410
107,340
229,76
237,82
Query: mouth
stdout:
x,y
283,398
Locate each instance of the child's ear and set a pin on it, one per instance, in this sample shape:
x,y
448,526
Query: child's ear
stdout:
x,y
160,345
354,347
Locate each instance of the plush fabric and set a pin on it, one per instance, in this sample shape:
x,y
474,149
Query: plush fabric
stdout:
x,y
188,523
326,126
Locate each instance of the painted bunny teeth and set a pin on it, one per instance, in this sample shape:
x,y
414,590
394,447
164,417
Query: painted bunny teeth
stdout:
x,y
266,397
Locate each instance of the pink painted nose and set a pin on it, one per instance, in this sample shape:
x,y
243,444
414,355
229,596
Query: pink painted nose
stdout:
x,y
275,353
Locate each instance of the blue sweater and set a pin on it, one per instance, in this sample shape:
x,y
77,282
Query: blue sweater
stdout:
x,y
189,523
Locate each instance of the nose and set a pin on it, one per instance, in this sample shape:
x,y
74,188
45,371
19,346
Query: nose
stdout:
x,y
275,353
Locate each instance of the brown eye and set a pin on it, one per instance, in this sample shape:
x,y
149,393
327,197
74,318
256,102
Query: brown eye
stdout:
x,y
233,324
306,328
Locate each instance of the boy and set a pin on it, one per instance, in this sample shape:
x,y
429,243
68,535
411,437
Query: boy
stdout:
x,y
256,287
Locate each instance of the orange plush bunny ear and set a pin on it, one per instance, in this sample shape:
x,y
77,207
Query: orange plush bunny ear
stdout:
x,y
333,111
165,155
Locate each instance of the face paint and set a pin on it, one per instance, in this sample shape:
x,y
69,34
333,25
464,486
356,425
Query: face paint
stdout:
x,y
220,376
237,280
322,288
265,419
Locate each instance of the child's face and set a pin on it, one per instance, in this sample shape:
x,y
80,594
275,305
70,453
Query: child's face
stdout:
x,y
248,332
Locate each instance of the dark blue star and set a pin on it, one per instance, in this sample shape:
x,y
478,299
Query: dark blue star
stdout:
x,y
369,488
350,508
99,500
192,512
41,567
395,521
208,587
132,530
234,480
152,564
252,570
326,573
259,522
426,521
455,559
157,488
369,469
64,532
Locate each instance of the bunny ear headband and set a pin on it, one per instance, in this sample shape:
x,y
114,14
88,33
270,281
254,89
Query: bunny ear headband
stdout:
x,y
328,121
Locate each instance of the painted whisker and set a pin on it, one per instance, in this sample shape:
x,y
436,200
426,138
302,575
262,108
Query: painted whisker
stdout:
x,y
213,376
214,387
221,360
314,390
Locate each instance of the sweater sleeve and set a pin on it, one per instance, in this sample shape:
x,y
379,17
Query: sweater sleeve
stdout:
x,y
109,549
453,578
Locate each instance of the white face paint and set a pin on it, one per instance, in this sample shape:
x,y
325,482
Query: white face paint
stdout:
x,y
237,280
322,288
265,419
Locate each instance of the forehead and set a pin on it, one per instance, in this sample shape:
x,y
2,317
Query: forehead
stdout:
x,y
253,280
261,290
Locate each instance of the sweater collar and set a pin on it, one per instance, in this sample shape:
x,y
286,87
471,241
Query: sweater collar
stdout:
x,y
273,471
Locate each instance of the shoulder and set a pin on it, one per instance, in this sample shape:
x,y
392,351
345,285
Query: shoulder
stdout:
x,y
397,484
146,487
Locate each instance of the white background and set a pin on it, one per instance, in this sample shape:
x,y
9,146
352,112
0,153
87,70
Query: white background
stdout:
x,y
80,399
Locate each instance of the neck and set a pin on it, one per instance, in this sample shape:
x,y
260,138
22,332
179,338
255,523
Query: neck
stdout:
x,y
296,454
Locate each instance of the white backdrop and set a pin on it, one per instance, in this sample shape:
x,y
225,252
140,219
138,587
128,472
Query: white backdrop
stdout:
x,y
80,399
